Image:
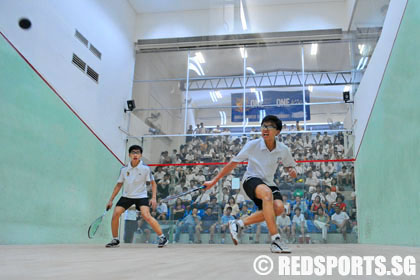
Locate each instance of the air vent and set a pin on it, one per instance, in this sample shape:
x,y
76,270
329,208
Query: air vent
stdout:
x,y
81,38
95,51
79,62
92,73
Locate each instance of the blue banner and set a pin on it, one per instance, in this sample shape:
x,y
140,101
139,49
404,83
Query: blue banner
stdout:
x,y
279,104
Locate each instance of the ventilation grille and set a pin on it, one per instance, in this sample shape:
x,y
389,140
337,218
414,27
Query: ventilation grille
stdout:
x,y
95,51
92,73
81,38
79,62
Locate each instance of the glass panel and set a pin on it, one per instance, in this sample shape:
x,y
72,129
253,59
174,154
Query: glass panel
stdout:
x,y
158,108
214,76
274,83
304,147
161,65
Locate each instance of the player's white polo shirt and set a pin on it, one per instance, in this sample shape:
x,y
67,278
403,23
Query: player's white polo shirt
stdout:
x,y
261,162
134,179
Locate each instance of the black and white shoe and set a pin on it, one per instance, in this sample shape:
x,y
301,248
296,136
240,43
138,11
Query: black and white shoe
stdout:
x,y
162,242
113,244
234,229
277,246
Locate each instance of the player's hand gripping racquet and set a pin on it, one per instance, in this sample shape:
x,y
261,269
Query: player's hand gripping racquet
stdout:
x,y
182,194
93,228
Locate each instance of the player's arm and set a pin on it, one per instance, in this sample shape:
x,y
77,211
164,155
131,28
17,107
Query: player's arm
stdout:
x,y
225,171
153,202
117,189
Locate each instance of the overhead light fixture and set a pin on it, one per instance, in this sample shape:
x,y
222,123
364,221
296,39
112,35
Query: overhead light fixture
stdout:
x,y
361,48
314,49
200,57
250,69
310,88
347,88
243,18
218,94
244,53
222,117
212,96
362,63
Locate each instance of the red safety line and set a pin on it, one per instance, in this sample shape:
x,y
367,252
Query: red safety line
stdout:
x,y
62,99
244,162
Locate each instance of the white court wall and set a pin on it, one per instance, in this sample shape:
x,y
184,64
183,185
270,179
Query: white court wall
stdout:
x,y
50,43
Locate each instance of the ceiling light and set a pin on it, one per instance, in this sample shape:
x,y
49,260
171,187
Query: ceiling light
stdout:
x,y
243,18
250,69
244,53
200,57
310,88
314,49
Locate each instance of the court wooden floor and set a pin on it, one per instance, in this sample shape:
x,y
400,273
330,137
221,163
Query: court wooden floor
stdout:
x,y
178,261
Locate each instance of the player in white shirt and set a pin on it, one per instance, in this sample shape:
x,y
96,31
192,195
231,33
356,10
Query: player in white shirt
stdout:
x,y
134,177
263,156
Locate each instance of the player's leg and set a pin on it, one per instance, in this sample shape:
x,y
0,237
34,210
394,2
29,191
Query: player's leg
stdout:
x,y
145,213
115,242
258,216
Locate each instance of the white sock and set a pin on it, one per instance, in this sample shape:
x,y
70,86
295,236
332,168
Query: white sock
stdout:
x,y
161,236
116,238
273,237
241,223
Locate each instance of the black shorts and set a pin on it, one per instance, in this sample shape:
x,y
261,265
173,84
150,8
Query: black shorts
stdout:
x,y
126,202
251,184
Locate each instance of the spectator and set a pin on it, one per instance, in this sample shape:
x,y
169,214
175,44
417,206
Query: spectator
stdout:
x,y
186,199
318,193
208,222
200,178
298,224
163,186
159,174
340,219
162,210
287,206
189,131
340,203
130,223
330,197
179,210
301,204
232,204
223,197
188,223
202,200
311,180
215,207
217,130
322,223
224,223
316,204
239,198
283,223
343,176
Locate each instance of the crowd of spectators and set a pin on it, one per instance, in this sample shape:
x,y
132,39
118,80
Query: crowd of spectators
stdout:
x,y
321,198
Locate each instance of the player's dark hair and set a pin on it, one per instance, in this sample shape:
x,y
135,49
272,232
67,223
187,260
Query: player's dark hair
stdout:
x,y
135,147
273,119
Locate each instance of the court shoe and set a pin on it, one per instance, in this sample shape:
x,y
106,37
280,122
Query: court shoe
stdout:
x,y
277,246
234,229
162,241
113,244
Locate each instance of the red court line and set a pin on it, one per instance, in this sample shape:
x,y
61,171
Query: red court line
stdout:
x,y
62,99
244,162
